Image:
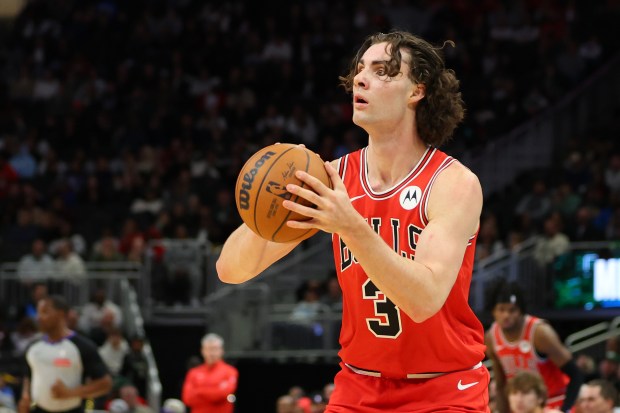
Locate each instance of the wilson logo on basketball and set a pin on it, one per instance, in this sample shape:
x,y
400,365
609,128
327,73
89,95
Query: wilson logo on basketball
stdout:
x,y
248,179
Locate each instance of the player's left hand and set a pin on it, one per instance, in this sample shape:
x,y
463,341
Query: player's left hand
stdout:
x,y
333,213
60,390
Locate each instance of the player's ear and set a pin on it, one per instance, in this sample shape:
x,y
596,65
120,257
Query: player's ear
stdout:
x,y
418,91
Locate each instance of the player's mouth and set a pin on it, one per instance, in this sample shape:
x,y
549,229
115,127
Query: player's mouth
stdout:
x,y
359,101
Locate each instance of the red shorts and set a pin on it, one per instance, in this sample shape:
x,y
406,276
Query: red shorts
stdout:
x,y
461,391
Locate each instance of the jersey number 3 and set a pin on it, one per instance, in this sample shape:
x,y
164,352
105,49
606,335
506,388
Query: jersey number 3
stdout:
x,y
387,323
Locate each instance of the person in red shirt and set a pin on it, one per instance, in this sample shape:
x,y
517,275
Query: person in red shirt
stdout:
x,y
404,218
517,341
211,386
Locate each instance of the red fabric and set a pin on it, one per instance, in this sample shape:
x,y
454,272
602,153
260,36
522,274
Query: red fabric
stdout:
x,y
206,389
375,334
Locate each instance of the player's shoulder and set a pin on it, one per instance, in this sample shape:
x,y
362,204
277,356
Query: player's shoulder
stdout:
x,y
82,341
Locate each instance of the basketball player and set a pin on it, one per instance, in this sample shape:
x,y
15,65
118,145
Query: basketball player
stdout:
x,y
410,341
517,342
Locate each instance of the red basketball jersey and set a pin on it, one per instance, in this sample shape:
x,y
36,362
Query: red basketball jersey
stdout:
x,y
376,335
521,355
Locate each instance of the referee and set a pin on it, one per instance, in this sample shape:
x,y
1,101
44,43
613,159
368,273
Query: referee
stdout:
x,y
63,368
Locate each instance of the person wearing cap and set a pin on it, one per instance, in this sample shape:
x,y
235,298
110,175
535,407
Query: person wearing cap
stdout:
x,y
63,368
211,386
517,341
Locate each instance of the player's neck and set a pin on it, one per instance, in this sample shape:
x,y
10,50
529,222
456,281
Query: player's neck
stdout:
x,y
58,333
390,161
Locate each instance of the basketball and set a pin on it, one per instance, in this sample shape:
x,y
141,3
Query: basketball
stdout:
x,y
261,188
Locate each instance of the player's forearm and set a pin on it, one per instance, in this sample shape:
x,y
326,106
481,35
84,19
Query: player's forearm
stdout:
x,y
245,255
95,388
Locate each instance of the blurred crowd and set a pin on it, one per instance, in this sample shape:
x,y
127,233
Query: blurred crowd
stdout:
x,y
131,120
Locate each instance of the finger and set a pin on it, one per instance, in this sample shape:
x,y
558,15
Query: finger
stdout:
x,y
300,209
313,182
305,193
334,176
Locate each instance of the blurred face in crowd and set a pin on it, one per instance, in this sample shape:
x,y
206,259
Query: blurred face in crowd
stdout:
x,y
524,401
591,401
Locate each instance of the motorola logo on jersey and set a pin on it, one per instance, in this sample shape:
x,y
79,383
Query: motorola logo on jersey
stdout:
x,y
410,197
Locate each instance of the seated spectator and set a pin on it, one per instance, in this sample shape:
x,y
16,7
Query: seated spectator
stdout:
x,y
114,350
106,250
551,244
134,400
173,406
287,404
69,265
37,292
135,366
25,333
36,265
308,306
527,393
7,395
597,396
99,315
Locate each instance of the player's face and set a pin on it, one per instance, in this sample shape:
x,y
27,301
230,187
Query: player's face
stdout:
x,y
524,402
591,401
381,102
507,315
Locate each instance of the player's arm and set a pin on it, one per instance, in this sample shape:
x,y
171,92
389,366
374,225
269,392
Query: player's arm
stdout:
x,y
245,255
93,388
24,401
418,287
547,341
498,375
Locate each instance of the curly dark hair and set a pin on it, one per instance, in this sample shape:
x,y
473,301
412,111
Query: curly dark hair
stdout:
x,y
442,108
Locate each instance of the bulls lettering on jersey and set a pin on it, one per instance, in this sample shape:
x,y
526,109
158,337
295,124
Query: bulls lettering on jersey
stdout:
x,y
376,335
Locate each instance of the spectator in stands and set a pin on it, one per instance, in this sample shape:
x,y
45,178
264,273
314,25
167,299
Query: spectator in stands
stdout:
x,y
527,393
587,365
106,250
332,297
609,368
515,342
612,173
211,387
99,316
7,395
309,305
36,265
134,399
286,404
536,204
38,291
583,229
551,244
173,406
135,365
114,350
69,265
25,333
598,396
